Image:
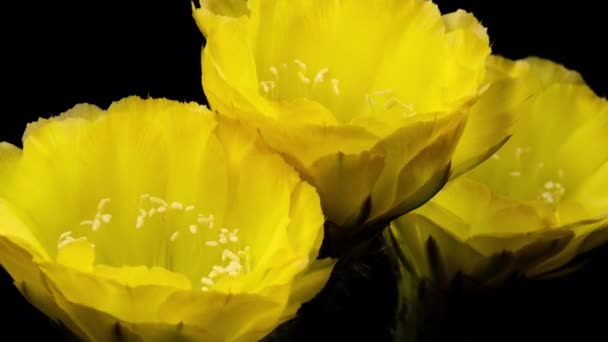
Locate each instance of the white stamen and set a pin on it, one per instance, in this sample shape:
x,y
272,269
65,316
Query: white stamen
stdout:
x,y
274,71
204,289
548,197
233,238
264,87
65,234
86,223
320,76
140,222
158,201
144,197
189,208
234,268
106,218
219,269
152,212
174,236
334,86
161,209
207,281
66,241
228,254
496,156
193,228
211,243
303,78
211,225
177,206
224,230
515,174
142,213
102,203
96,225
549,185
370,100
383,92
300,64
223,240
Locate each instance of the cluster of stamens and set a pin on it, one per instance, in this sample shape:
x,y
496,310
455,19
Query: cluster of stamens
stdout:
x,y
389,102
270,87
235,259
552,190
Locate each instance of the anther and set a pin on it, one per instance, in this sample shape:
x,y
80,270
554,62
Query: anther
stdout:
x,y
300,64
193,228
320,76
174,236
177,206
274,71
303,78
207,281
334,86
96,225
102,203
106,218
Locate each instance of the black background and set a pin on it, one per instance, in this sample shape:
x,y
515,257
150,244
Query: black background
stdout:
x,y
54,55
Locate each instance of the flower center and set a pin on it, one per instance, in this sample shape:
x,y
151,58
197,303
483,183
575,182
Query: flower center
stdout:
x,y
289,81
292,80
526,171
216,243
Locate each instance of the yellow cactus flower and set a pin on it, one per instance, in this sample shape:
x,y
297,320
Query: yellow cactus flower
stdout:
x,y
153,221
367,99
538,202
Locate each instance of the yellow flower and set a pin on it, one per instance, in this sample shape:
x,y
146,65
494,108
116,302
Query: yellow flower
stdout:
x,y
367,99
535,204
152,221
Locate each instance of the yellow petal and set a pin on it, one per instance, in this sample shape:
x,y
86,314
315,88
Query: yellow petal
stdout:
x,y
417,159
110,220
490,124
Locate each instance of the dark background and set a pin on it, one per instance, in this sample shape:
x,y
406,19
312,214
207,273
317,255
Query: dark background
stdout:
x,y
55,54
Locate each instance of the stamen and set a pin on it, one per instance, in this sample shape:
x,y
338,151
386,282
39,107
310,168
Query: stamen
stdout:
x,y
157,200
140,222
207,281
106,218
303,78
211,243
161,209
383,92
300,64
274,71
177,206
193,228
189,208
320,76
174,236
514,173
370,100
102,204
96,225
334,86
